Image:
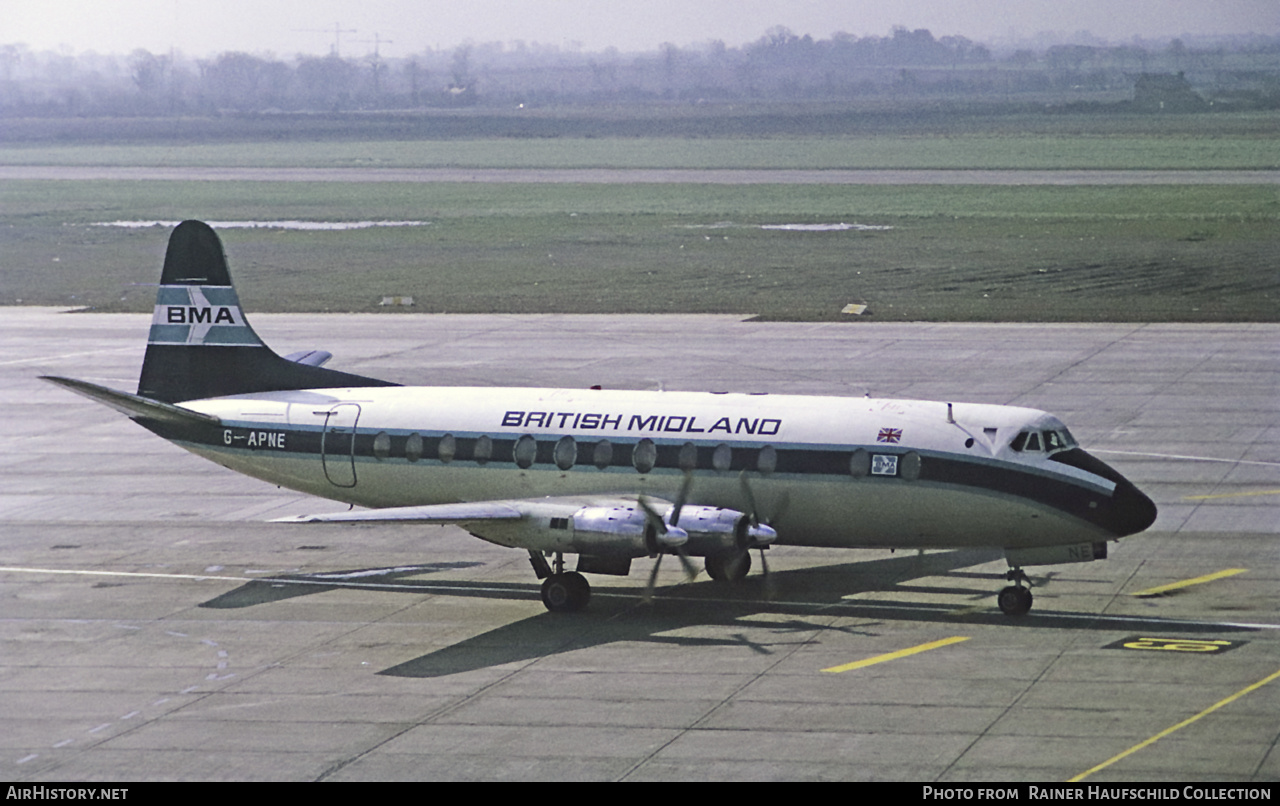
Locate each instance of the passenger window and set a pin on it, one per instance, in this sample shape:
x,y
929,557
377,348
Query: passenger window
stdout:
x,y
688,459
644,455
602,456
413,447
447,449
722,457
483,450
566,453
526,450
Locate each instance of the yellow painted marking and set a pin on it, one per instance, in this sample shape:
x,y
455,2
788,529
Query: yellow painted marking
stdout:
x,y
1177,727
1227,572
1228,495
901,653
1177,645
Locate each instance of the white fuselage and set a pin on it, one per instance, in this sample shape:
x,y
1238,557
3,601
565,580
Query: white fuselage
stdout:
x,y
826,471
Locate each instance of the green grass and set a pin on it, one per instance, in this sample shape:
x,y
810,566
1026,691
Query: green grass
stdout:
x,y
1024,150
1104,253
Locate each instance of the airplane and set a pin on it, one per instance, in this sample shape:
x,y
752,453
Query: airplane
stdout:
x,y
613,476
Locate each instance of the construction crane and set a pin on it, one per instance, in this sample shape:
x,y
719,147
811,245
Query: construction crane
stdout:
x,y
337,30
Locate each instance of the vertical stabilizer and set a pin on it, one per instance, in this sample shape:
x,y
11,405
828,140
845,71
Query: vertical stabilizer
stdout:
x,y
201,345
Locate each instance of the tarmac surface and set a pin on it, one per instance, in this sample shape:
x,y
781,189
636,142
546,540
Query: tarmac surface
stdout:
x,y
590,176
155,625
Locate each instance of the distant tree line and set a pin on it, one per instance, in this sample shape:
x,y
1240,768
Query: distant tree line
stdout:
x,y
779,66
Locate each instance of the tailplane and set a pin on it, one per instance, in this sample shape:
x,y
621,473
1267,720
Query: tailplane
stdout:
x,y
200,343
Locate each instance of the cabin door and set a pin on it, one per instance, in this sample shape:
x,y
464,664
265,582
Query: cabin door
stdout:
x,y
338,444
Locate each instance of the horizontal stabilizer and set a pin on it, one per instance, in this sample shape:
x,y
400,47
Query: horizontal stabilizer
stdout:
x,y
134,406
312,358
434,513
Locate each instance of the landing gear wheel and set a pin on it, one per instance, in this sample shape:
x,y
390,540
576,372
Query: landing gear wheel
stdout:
x,y
566,592
732,566
1014,601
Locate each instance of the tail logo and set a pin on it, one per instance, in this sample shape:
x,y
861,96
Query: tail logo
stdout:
x,y
200,315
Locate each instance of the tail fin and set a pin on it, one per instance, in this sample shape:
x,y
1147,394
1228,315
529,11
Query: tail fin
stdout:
x,y
202,346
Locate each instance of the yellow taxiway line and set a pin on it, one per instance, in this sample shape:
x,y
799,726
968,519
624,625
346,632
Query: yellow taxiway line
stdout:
x,y
1159,589
1229,495
901,653
1177,727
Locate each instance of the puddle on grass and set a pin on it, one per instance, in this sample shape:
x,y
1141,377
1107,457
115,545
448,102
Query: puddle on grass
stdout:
x,y
834,227
302,225
827,227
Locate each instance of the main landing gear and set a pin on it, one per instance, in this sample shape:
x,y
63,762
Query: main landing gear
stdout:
x,y
1015,600
566,592
729,566
562,591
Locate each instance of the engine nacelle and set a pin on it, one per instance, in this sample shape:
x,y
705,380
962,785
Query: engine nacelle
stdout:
x,y
713,530
622,532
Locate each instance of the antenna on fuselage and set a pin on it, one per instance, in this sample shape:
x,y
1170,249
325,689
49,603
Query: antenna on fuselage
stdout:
x,y
950,417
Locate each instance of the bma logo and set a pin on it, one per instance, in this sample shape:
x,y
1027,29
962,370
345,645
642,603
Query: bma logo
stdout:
x,y
192,315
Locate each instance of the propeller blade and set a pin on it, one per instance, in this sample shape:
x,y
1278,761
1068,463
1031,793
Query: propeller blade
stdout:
x,y
768,581
682,497
647,598
689,570
752,511
655,519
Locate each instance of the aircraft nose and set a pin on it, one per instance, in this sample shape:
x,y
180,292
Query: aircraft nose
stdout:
x,y
1130,510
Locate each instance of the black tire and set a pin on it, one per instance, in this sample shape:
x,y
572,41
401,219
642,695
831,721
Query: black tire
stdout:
x,y
566,593
1014,601
731,566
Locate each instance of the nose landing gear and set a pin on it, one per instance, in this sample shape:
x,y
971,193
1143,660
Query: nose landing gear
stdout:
x,y
1015,600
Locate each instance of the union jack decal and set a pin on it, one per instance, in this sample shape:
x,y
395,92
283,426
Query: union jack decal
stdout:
x,y
892,435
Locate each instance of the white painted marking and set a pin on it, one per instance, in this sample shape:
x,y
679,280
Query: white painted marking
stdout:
x,y
103,726
130,715
296,225
827,227
64,743
31,757
61,356
1187,458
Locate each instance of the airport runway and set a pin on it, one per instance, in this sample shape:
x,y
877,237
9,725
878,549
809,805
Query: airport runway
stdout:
x,y
594,176
154,625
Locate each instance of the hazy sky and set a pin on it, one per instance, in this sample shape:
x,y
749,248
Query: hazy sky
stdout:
x,y
286,27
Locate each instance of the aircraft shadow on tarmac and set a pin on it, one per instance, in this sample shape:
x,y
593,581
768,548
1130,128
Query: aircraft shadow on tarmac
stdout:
x,y
617,613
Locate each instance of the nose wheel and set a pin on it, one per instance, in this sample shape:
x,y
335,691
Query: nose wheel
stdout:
x,y
1015,600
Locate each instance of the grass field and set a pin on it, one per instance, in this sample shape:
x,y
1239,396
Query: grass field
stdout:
x,y
1118,253
1249,149
1053,253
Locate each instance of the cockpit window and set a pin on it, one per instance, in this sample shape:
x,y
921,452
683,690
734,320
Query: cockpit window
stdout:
x,y
1054,440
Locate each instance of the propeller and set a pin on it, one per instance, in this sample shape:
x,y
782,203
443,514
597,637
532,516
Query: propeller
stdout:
x,y
758,534
667,536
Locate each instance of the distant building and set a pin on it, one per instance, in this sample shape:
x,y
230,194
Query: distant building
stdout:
x,y
1162,92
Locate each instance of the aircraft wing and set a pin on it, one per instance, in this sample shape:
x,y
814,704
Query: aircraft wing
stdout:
x,y
498,510
431,513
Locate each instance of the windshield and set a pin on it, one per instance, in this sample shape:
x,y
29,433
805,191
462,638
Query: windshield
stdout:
x,y
1050,440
